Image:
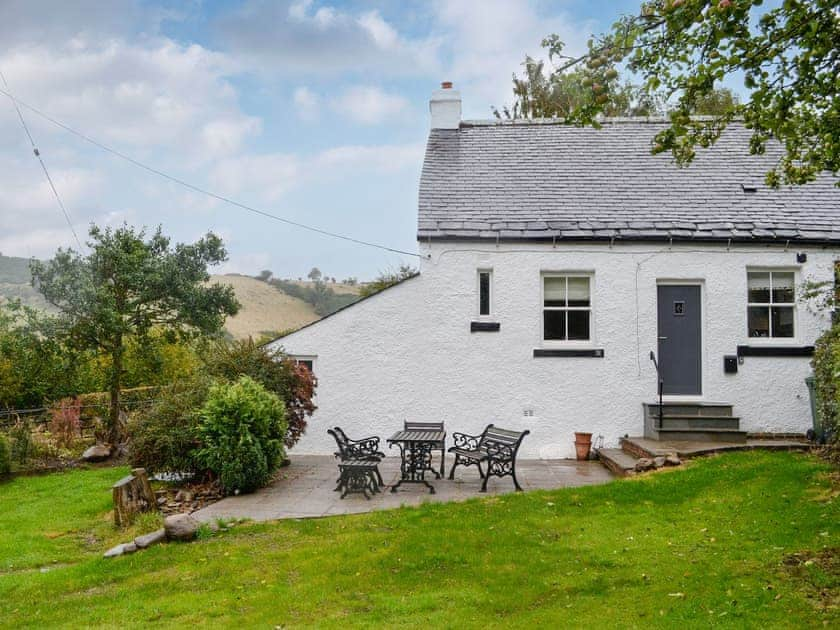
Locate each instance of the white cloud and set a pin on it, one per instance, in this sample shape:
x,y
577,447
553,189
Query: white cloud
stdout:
x,y
381,159
157,93
268,177
369,104
307,103
381,32
304,37
487,40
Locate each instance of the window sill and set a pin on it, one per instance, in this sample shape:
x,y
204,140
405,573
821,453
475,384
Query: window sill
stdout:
x,y
597,353
761,350
485,327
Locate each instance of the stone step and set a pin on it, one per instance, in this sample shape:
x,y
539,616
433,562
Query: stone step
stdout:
x,y
702,435
689,409
617,461
674,421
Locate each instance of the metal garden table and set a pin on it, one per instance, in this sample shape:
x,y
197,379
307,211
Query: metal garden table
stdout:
x,y
416,455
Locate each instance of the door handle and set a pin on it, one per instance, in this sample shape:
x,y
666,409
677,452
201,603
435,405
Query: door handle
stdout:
x,y
662,338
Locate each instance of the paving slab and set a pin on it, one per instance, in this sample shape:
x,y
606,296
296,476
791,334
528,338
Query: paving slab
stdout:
x,y
305,488
696,448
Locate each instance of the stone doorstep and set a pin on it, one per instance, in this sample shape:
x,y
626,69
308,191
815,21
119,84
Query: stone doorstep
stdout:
x,y
617,461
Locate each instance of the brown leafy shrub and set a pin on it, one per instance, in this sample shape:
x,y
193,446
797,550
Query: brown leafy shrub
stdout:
x,y
65,422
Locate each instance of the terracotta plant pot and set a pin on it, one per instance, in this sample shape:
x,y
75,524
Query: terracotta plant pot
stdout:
x,y
583,444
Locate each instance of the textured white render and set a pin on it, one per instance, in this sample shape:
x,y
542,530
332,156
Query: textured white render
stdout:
x,y
408,352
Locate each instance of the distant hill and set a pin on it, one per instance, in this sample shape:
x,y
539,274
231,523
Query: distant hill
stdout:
x,y
14,270
14,282
265,310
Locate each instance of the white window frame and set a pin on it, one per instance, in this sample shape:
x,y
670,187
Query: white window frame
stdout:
x,y
771,340
574,343
490,288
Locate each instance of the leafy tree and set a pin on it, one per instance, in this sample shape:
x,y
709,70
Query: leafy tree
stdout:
x,y
314,274
788,57
34,365
559,94
715,103
129,286
265,275
388,279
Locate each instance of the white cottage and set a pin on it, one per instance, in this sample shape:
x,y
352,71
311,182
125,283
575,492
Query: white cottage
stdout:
x,y
557,262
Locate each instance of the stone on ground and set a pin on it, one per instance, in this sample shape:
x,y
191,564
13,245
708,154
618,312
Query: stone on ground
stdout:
x,y
658,462
672,459
147,540
180,527
97,453
121,549
644,464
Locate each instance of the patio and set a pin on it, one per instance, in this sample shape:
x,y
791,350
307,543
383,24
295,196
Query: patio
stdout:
x,y
304,489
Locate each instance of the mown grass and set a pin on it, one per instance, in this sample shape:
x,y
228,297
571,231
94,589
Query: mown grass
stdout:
x,y
710,545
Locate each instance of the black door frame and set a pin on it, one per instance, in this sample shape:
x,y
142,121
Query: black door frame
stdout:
x,y
701,359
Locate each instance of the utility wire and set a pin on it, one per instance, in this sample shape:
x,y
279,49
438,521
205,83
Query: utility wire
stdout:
x,y
41,160
198,189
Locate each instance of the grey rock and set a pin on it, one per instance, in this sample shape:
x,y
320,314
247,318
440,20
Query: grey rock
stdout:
x,y
147,540
97,453
180,527
120,549
672,459
644,464
658,462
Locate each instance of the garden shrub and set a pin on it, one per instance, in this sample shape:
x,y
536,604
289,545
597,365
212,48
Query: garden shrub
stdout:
x,y
5,456
22,444
242,430
65,422
293,383
826,364
165,437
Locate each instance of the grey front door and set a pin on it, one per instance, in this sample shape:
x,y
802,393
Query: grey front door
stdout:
x,y
678,314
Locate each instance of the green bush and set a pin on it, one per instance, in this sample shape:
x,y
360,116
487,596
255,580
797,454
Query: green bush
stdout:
x,y
293,383
23,446
5,456
165,437
826,365
242,430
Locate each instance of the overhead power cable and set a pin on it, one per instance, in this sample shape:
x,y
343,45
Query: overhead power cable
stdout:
x,y
198,189
41,160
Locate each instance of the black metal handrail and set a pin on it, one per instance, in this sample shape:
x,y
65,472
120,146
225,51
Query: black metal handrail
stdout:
x,y
661,385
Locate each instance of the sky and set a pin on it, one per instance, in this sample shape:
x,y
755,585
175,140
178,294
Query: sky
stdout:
x,y
313,111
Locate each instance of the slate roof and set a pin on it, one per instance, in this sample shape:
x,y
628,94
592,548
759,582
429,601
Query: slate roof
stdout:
x,y
544,180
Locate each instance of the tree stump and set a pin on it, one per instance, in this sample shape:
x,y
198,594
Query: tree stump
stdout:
x,y
133,495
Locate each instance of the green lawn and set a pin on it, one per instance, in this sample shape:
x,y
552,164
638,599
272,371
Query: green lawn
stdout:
x,y
710,544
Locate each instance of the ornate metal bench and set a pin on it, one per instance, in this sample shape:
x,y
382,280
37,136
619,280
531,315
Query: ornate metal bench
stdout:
x,y
495,446
438,446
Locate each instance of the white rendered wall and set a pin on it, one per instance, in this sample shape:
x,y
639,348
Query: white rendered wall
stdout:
x,y
408,353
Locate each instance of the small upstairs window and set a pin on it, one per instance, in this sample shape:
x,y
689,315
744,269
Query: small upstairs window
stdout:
x,y
485,282
771,304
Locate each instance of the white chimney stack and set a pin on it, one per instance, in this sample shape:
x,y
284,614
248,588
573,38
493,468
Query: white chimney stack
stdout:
x,y
445,107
